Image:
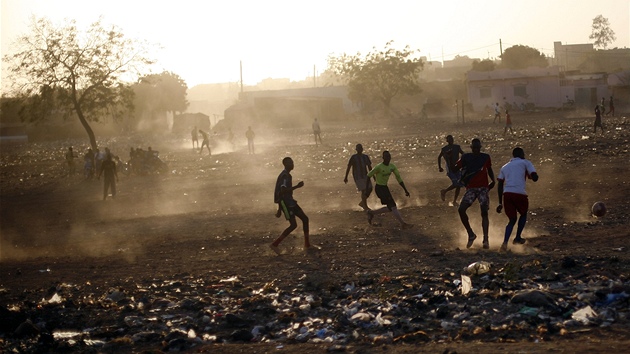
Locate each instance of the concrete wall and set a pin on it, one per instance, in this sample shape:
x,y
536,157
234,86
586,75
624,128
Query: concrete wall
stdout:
x,y
538,86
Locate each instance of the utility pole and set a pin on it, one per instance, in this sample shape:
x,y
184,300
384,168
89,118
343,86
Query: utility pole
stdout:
x,y
241,76
501,47
314,77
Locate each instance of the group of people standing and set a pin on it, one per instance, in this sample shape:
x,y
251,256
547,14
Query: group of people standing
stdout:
x,y
104,163
95,162
470,170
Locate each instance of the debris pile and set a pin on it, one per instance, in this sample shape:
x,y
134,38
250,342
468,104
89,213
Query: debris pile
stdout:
x,y
177,314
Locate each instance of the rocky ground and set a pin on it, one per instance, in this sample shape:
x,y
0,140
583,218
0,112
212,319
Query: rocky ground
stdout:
x,y
180,261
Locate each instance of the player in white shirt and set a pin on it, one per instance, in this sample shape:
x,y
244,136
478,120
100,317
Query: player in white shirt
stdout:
x,y
512,194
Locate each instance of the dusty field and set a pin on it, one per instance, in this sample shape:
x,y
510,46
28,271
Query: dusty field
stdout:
x,y
180,261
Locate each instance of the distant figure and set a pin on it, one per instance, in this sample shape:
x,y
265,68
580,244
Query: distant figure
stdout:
x,y
598,120
611,107
249,134
283,195
497,113
195,137
205,142
317,132
512,194
508,123
451,153
70,156
476,167
360,165
603,105
88,164
382,171
108,167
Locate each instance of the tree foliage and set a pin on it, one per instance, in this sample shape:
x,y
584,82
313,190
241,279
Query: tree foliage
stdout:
x,y
65,69
483,65
521,57
601,32
379,75
159,93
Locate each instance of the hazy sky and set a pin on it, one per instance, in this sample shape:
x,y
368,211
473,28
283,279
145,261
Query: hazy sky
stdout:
x,y
204,41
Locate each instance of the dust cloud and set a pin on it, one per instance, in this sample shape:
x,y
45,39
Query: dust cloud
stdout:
x,y
202,195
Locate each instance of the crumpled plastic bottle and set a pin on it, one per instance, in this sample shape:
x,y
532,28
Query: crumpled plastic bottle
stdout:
x,y
480,267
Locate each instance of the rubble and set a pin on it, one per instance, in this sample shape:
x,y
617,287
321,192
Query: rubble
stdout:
x,y
187,313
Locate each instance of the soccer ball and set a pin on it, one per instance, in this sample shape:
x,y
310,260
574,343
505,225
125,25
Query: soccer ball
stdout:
x,y
598,209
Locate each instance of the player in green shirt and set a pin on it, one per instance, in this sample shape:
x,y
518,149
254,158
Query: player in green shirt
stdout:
x,y
381,173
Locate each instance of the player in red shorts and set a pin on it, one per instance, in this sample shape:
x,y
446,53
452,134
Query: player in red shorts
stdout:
x,y
512,193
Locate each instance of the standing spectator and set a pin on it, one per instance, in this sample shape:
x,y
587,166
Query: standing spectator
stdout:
x,y
361,165
283,195
451,153
70,156
195,137
497,113
598,120
476,167
512,177
249,134
317,132
611,107
108,167
205,142
381,172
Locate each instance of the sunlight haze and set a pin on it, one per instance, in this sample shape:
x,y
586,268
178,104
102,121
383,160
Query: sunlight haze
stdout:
x,y
203,42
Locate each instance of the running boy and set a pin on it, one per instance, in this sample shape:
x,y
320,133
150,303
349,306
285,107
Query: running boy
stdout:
x,y
476,168
360,165
512,194
382,171
283,195
451,153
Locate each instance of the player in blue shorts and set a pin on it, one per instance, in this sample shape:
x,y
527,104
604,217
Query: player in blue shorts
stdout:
x,y
451,153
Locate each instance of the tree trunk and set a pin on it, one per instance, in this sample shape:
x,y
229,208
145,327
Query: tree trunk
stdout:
x,y
86,126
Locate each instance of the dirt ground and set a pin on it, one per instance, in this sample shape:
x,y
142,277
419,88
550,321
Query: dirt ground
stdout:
x,y
201,233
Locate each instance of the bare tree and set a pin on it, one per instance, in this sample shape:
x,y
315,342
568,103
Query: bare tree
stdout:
x,y
601,32
82,72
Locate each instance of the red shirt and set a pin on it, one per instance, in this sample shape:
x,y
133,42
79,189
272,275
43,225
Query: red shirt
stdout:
x,y
476,165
